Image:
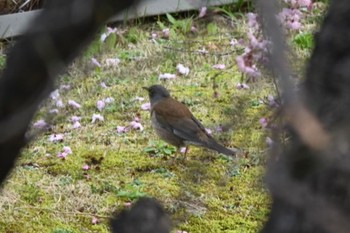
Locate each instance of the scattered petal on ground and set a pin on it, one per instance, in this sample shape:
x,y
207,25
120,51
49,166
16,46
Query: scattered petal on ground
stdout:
x,y
146,106
182,69
76,125
166,33
219,129
136,125
242,86
154,35
183,150
86,167
203,51
233,42
95,220
95,62
219,66
128,204
122,129
112,62
97,117
202,12
54,111
59,103
209,131
65,87
75,118
103,85
139,98
73,104
55,94
56,137
40,124
167,76
66,151
100,105
263,122
109,100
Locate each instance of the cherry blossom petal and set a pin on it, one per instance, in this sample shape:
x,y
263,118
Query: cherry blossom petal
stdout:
x,y
97,117
167,76
73,104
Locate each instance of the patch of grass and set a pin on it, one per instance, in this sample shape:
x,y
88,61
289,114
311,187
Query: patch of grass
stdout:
x,y
304,41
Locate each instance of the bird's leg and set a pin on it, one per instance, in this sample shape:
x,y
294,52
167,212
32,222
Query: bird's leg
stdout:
x,y
186,150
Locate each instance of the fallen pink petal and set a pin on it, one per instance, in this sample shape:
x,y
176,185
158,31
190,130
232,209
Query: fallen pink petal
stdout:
x,y
54,111
103,85
73,104
95,220
109,100
136,125
209,131
183,150
65,87
139,98
219,66
75,118
263,122
233,42
122,129
60,104
62,155
97,117
76,125
55,94
182,69
154,35
128,204
95,62
86,167
166,33
56,137
137,119
112,62
203,51
67,149
242,86
146,106
40,124
167,76
202,12
100,105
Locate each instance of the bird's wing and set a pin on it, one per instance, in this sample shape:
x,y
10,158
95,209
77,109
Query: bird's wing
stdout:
x,y
179,118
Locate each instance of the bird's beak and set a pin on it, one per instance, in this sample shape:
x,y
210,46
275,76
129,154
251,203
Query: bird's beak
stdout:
x,y
146,88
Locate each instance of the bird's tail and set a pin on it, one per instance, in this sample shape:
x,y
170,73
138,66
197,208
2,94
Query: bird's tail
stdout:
x,y
220,148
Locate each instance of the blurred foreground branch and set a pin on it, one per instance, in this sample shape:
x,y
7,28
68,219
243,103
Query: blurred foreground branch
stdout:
x,y
57,36
310,181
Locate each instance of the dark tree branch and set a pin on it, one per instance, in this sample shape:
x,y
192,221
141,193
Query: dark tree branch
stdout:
x,y
56,37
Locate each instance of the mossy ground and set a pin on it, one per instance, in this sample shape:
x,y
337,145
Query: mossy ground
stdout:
x,y
205,193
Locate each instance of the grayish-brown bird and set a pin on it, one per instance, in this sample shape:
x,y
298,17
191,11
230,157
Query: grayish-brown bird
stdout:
x,y
175,124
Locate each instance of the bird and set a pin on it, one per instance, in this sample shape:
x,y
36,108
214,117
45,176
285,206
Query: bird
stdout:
x,y
175,124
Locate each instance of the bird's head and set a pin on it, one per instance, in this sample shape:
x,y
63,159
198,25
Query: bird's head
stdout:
x,y
157,93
